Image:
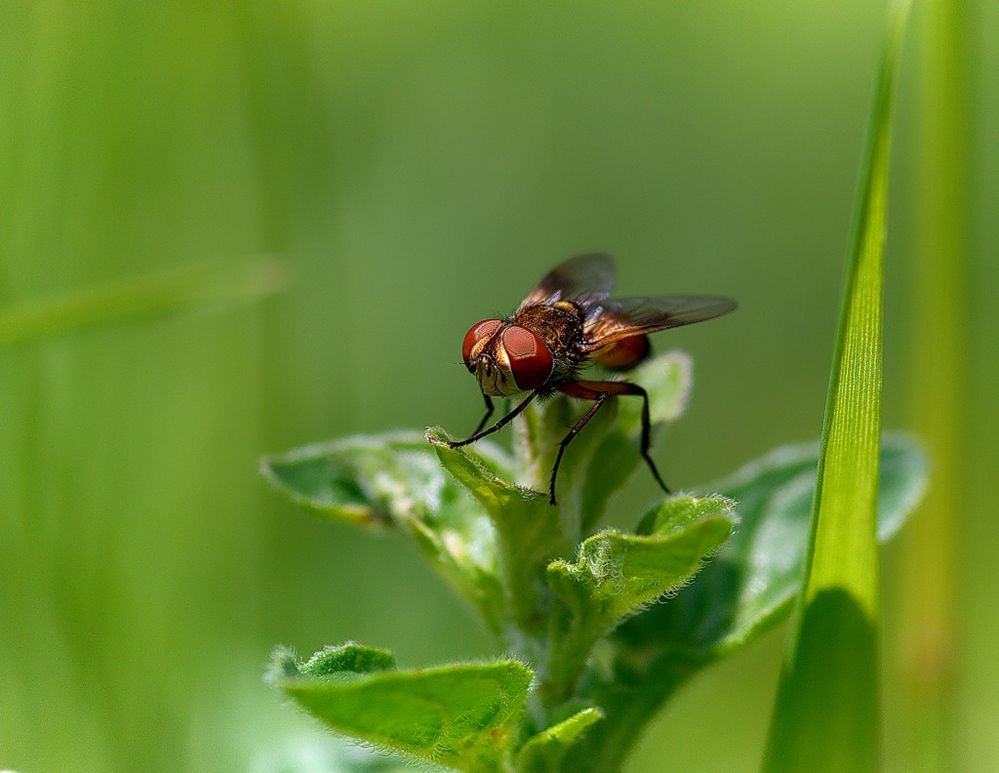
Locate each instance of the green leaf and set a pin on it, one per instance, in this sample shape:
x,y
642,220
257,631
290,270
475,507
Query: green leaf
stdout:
x,y
395,480
510,506
537,435
544,752
750,585
378,480
465,716
826,716
746,588
349,657
527,527
615,575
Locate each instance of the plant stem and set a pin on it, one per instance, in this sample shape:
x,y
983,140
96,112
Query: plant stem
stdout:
x,y
629,702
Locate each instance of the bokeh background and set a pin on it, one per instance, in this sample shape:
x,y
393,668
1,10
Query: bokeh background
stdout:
x,y
413,168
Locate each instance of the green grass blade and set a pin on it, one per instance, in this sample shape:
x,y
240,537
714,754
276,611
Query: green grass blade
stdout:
x,y
826,715
138,297
941,413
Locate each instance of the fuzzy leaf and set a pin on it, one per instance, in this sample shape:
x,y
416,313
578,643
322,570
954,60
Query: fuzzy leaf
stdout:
x,y
750,584
395,480
544,752
347,658
527,527
464,716
510,506
616,574
369,479
745,589
529,531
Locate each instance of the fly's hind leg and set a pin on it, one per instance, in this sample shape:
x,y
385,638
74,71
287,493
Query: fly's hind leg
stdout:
x,y
599,391
600,399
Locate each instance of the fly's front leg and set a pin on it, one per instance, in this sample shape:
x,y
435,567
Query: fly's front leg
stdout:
x,y
498,425
489,412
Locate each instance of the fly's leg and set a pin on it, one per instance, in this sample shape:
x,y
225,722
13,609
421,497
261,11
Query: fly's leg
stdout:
x,y
647,435
600,400
599,391
489,412
498,425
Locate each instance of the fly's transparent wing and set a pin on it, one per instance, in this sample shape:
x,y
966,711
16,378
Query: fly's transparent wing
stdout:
x,y
585,279
611,321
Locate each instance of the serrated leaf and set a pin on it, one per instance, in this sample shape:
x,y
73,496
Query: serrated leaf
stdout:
x,y
529,530
746,588
527,527
544,752
508,504
464,716
616,574
751,583
395,480
368,479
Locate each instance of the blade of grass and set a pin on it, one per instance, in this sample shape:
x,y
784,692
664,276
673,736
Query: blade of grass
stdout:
x,y
826,714
138,297
939,392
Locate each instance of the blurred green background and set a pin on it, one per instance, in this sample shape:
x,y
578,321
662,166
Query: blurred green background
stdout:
x,y
417,167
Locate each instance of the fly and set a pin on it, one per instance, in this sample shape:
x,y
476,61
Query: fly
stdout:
x,y
569,321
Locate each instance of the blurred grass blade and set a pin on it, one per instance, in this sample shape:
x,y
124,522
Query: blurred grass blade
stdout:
x,y
826,716
941,412
138,297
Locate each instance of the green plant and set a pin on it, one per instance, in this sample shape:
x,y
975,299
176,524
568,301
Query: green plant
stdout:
x,y
591,654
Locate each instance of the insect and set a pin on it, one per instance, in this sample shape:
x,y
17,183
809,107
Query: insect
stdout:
x,y
567,322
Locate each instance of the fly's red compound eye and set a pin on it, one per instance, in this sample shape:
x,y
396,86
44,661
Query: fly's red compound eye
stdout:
x,y
477,332
530,360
